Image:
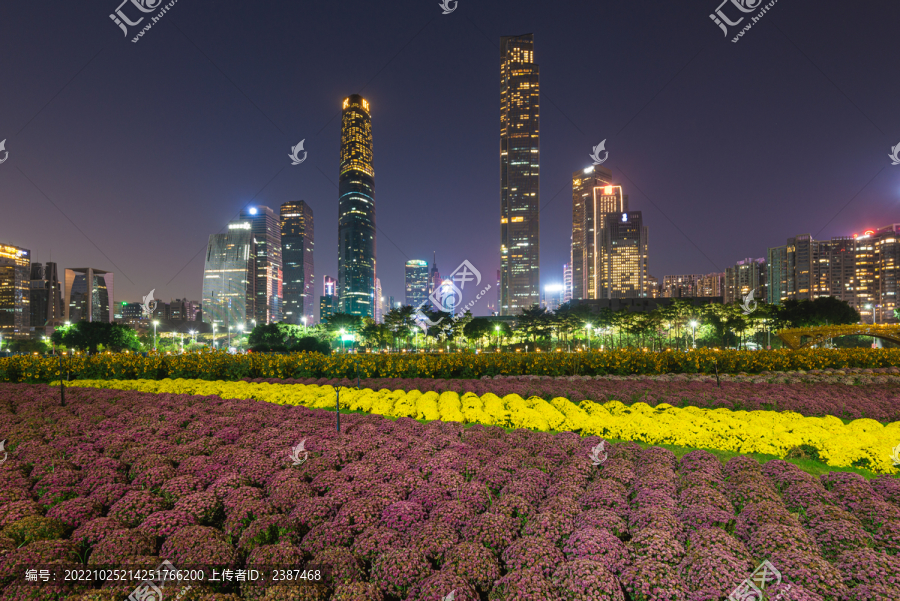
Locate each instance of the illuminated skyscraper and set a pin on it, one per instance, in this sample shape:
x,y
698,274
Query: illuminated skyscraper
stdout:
x,y
229,276
15,289
356,210
588,186
567,282
89,295
520,248
46,296
266,230
416,282
623,264
379,300
297,245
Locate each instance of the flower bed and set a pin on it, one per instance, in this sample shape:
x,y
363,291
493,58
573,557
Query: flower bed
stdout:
x,y
223,366
862,443
401,510
880,401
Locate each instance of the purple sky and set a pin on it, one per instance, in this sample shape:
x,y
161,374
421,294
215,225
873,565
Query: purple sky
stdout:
x,y
149,147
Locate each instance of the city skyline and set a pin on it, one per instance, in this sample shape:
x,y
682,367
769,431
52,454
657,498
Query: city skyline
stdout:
x,y
139,184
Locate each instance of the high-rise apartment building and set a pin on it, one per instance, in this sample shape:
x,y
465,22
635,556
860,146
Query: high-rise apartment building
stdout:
x,y
623,266
90,295
15,290
520,247
593,197
356,210
297,246
266,229
417,282
746,275
681,286
712,284
229,276
379,302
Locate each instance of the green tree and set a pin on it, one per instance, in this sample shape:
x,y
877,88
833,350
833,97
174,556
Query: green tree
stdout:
x,y
374,335
89,336
400,322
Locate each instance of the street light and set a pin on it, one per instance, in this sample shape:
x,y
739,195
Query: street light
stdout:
x,y
343,331
214,334
497,329
241,335
303,319
193,334
588,327
694,325
155,323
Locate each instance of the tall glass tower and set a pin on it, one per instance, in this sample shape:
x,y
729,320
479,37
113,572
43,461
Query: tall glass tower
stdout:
x,y
266,229
416,282
356,210
520,248
297,242
229,277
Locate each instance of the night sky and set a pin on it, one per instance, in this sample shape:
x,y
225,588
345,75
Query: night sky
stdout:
x,y
726,148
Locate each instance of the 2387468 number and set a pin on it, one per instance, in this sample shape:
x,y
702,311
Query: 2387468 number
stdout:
x,y
297,575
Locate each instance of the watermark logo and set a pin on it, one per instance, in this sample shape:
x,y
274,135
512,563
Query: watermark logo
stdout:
x,y
451,596
748,301
152,590
3,450
149,305
6,152
895,455
449,296
295,153
144,6
598,454
895,153
296,451
752,589
601,147
446,4
744,7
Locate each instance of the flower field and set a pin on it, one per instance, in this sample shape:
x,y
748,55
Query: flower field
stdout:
x,y
880,401
400,510
223,366
861,443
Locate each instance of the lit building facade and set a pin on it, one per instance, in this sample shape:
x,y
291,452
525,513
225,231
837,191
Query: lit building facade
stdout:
x,y
520,248
297,247
746,275
567,282
417,282
379,302
265,226
328,302
623,266
90,295
681,286
15,290
356,210
229,277
593,198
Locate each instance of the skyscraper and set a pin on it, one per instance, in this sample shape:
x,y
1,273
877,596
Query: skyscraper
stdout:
x,y
356,210
297,244
520,248
229,276
623,264
15,289
379,307
46,296
266,229
567,283
90,295
329,286
587,185
416,282
745,276
434,278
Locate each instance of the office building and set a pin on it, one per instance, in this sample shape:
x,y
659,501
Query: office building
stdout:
x,y
746,275
329,286
551,296
265,226
591,202
297,246
46,305
520,248
328,306
623,265
90,295
15,290
229,277
417,282
434,277
654,290
356,210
